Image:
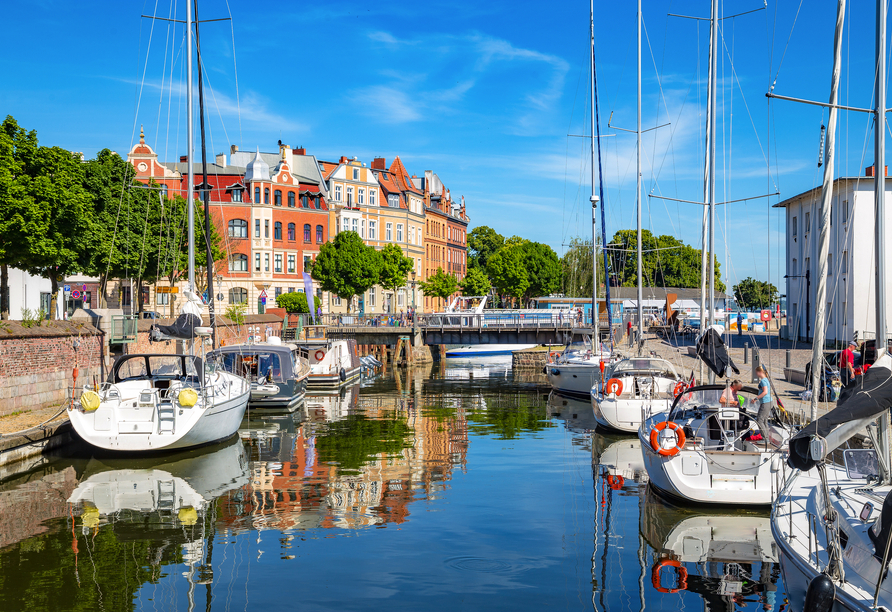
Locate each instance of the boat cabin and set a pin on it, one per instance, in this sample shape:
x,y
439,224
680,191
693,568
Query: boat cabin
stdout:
x,y
275,362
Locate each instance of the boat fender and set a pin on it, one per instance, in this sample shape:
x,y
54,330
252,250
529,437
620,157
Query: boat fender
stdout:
x,y
187,515
682,576
555,372
655,438
342,374
614,385
90,401
187,397
820,594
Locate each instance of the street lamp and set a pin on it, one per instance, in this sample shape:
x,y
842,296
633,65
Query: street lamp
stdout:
x,y
807,277
412,282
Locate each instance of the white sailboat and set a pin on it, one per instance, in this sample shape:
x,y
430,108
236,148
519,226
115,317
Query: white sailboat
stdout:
x,y
154,402
832,523
635,387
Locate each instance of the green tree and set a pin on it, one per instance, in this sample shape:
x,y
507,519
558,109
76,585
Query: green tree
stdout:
x,y
395,268
666,261
296,301
440,285
506,269
576,269
752,293
543,269
18,150
475,282
347,267
62,210
483,242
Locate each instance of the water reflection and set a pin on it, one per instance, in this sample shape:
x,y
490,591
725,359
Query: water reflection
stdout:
x,y
433,489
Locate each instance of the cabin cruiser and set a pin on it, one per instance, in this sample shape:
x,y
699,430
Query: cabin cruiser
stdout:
x,y
467,311
632,390
578,368
712,452
333,362
277,373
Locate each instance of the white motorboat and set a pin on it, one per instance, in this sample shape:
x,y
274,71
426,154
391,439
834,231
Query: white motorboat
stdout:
x,y
333,362
485,350
707,453
578,368
633,390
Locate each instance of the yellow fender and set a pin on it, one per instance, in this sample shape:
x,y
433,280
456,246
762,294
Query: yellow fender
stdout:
x,y
187,398
90,401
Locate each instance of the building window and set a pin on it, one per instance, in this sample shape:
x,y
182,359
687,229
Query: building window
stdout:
x,y
399,232
793,267
278,197
845,211
257,195
292,264
360,196
829,313
162,299
257,228
320,236
411,234
304,203
291,199
266,228
238,295
278,262
278,291
308,263
238,228
277,230
257,262
164,191
373,197
346,225
290,289
349,196
807,227
830,263
844,264
266,195
388,233
306,232
236,195
393,201
337,300
266,262
372,296
355,174
317,202
290,231
238,263
337,193
355,225
362,230
401,298
373,230
794,228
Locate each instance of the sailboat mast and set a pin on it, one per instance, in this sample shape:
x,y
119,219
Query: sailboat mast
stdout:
x,y
596,331
190,177
704,228
817,357
879,173
638,194
713,55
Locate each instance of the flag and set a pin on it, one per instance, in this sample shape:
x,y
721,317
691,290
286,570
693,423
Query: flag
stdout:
x,y
308,289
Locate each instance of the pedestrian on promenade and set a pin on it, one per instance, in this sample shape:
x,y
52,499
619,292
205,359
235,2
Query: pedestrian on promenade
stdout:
x,y
561,318
629,331
847,364
739,323
765,401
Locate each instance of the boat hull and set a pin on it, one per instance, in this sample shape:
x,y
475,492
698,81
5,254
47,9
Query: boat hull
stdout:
x,y
486,350
576,379
332,380
625,415
291,394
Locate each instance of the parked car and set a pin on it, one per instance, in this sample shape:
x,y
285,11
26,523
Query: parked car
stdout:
x,y
150,314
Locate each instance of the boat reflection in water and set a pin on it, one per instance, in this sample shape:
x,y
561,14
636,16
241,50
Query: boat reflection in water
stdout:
x,y
729,559
332,406
576,413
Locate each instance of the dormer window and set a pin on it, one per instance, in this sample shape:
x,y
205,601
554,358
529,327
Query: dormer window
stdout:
x,y
355,174
236,195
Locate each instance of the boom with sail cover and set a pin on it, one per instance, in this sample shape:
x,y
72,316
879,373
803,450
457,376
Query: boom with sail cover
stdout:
x,y
711,349
184,326
860,402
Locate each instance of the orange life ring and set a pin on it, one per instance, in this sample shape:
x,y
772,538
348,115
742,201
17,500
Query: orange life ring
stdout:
x,y
682,576
679,388
655,438
616,482
614,385
319,355
553,355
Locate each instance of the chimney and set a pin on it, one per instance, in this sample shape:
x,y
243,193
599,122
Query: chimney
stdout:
x,y
284,150
233,149
221,159
379,164
300,150
869,170
343,160
184,158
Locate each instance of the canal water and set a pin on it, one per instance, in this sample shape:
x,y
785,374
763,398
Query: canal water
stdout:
x,y
458,487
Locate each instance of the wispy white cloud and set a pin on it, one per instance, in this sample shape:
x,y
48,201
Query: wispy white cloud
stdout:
x,y
390,104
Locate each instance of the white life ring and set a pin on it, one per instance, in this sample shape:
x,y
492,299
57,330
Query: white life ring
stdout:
x,y
319,355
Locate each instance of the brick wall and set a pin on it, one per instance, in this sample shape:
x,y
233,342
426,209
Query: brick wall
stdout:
x,y
36,364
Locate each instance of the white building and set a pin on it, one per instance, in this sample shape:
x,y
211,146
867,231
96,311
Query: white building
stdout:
x,y
850,300
29,292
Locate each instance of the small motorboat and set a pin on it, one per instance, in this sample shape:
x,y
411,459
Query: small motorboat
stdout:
x,y
333,363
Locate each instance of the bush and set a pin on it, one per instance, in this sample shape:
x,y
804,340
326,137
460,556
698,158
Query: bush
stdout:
x,y
30,318
236,313
296,302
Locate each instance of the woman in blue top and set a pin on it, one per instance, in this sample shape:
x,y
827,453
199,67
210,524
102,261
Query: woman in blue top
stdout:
x,y
765,401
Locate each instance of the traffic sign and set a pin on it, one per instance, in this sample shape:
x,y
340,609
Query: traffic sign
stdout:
x,y
167,289
263,294
219,297
67,288
263,300
75,295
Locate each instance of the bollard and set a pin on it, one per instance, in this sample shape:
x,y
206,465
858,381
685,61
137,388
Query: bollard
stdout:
x,y
789,356
746,352
755,378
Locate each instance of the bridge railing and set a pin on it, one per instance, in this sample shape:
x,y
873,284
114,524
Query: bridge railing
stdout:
x,y
550,319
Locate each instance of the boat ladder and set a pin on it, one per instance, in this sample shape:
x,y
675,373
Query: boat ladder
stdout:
x,y
166,418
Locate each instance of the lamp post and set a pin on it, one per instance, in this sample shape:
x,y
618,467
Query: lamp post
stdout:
x,y
807,277
412,282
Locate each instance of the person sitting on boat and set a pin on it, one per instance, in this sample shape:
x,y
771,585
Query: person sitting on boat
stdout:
x,y
729,395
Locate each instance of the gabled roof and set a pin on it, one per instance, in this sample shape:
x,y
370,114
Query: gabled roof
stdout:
x,y
403,179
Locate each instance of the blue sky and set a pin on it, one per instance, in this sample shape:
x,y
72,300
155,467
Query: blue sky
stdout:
x,y
484,94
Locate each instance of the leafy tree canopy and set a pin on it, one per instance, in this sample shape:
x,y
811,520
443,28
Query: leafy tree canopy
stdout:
x,y
296,301
395,267
483,242
475,283
506,269
440,285
752,293
543,269
346,266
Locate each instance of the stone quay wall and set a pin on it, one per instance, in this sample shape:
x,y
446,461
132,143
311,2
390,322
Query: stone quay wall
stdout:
x,y
36,363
